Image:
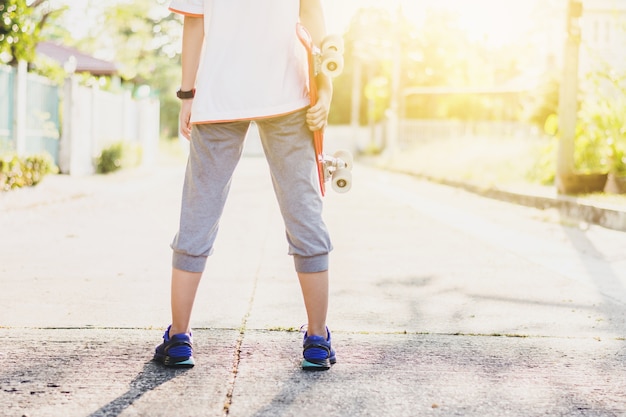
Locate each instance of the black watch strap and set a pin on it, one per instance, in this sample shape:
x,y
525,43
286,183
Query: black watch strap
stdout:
x,y
186,94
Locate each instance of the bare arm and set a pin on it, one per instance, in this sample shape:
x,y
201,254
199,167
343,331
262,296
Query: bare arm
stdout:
x,y
312,17
193,36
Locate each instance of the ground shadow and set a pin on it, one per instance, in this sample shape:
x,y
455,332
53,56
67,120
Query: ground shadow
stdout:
x,y
151,376
298,383
605,279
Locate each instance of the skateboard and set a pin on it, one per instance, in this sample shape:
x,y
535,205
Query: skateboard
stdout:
x,y
329,60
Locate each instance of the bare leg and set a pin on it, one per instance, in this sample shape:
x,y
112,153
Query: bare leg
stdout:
x,y
184,287
315,293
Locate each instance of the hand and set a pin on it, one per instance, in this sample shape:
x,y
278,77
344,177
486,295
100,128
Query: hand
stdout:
x,y
317,115
184,118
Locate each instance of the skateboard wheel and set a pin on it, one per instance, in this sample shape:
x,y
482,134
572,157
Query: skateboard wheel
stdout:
x,y
342,180
332,64
346,157
332,43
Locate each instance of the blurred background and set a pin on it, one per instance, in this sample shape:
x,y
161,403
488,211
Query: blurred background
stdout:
x,y
503,92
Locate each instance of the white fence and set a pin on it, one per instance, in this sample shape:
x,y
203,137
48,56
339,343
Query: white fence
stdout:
x,y
95,119
92,120
29,112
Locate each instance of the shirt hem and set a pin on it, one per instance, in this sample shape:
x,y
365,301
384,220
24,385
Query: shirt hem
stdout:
x,y
184,13
251,118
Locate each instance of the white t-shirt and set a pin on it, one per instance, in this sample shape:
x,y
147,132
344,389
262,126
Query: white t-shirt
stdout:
x,y
253,65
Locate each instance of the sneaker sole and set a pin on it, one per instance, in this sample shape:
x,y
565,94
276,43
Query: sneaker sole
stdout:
x,y
311,366
166,361
189,363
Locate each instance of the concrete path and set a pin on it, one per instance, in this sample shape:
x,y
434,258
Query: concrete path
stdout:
x,y
442,303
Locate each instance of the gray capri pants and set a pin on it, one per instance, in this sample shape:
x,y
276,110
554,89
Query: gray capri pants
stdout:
x,y
215,150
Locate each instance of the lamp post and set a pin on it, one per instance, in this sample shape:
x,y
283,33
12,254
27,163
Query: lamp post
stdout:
x,y
69,138
393,114
568,101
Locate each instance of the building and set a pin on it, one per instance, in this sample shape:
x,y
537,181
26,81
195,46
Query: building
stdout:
x,y
74,60
603,43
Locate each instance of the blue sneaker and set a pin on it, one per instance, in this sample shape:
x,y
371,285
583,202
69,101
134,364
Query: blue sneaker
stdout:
x,y
175,351
318,353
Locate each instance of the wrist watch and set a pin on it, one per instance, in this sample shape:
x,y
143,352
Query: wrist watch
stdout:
x,y
184,95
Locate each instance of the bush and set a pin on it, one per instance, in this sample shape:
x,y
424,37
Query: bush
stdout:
x,y
118,155
16,171
543,170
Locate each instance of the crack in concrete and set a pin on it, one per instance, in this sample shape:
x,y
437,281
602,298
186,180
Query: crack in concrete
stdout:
x,y
242,332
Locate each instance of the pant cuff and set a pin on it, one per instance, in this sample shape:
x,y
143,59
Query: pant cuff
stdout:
x,y
311,264
188,263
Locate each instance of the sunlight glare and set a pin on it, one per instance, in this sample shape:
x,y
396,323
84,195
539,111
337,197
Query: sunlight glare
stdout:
x,y
493,22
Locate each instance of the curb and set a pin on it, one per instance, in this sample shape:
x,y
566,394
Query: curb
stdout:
x,y
610,217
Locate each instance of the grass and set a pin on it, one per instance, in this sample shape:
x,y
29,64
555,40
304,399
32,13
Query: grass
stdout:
x,y
506,163
477,160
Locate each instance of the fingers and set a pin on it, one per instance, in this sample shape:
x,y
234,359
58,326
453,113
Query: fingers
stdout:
x,y
316,117
185,130
185,124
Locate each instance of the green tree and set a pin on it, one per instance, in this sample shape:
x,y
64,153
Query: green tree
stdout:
x,y
436,54
17,31
144,39
21,25
48,25
547,103
367,40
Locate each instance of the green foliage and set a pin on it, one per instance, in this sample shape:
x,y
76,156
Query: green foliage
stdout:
x,y
48,16
544,169
589,150
548,104
617,155
377,94
117,156
601,135
149,32
16,172
18,32
342,97
151,56
600,138
438,53
590,154
551,125
605,129
150,36
47,67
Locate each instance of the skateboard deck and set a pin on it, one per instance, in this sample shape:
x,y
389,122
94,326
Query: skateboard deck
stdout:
x,y
329,60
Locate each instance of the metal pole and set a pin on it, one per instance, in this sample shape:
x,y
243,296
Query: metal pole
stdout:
x,y
393,119
356,100
20,103
568,98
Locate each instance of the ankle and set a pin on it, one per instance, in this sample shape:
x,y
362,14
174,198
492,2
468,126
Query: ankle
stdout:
x,y
317,331
178,330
